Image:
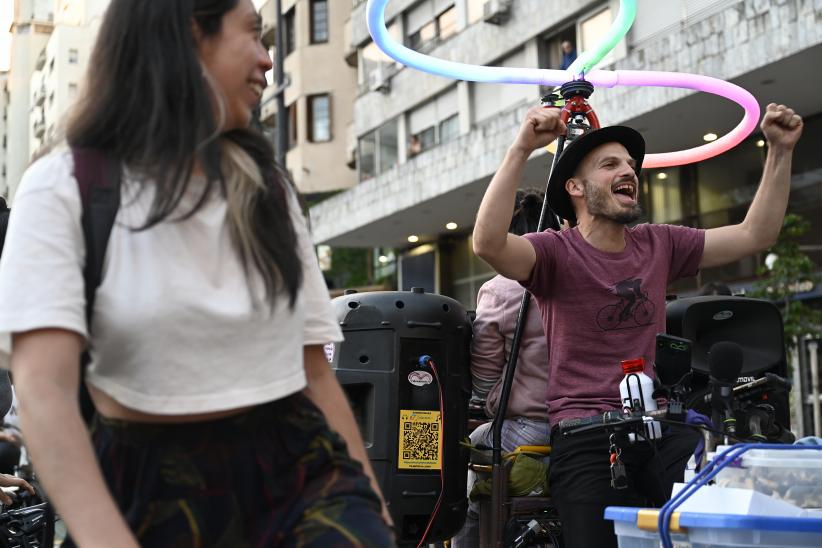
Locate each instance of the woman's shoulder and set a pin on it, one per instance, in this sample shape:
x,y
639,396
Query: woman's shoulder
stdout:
x,y
52,173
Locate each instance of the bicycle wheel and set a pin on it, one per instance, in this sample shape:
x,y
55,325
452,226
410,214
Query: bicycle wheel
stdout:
x,y
608,317
644,313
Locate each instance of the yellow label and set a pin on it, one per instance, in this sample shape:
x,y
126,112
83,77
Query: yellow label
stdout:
x,y
648,520
420,440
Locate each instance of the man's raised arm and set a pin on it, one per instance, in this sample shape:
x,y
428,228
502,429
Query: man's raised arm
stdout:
x,y
760,229
511,255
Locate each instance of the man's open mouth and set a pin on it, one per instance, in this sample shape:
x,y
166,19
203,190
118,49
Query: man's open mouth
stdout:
x,y
625,193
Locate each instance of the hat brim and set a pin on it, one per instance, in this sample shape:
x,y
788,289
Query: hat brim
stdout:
x,y
572,155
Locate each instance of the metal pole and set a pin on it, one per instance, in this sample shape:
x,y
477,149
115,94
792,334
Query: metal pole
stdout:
x,y
798,391
282,113
812,347
499,476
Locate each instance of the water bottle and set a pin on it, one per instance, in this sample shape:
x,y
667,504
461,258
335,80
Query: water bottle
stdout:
x,y
636,392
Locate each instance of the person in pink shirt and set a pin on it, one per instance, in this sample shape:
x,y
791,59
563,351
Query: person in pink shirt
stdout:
x,y
498,303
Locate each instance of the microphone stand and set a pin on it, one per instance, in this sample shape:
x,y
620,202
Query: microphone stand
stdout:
x,y
575,109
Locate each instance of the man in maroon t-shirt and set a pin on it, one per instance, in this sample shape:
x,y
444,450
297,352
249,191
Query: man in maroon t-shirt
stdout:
x,y
604,285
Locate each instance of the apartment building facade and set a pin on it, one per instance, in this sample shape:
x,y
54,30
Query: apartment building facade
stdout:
x,y
55,84
31,27
4,115
51,44
320,92
427,146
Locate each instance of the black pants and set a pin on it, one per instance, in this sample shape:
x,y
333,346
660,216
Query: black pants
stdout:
x,y
580,480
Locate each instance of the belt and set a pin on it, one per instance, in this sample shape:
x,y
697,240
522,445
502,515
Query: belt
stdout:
x,y
570,424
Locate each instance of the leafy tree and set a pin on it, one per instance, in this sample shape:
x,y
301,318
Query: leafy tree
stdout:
x,y
350,267
789,272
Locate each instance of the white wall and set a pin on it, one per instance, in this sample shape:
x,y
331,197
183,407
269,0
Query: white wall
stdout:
x,y
40,10
25,49
3,133
655,16
489,99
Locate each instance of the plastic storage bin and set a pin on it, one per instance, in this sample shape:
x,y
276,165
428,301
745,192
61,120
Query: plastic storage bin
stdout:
x,y
792,476
697,530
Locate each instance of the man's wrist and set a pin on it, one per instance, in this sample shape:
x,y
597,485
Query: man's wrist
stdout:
x,y
517,152
778,149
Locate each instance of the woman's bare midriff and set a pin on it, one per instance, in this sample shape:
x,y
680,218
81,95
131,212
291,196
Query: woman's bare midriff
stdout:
x,y
110,408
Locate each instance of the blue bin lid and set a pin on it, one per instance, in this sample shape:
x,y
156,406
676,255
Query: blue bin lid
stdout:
x,y
725,521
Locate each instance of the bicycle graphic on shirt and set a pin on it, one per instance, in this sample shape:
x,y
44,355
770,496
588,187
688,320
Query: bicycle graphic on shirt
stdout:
x,y
633,304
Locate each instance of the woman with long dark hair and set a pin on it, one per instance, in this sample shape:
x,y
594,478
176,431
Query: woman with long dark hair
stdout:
x,y
216,409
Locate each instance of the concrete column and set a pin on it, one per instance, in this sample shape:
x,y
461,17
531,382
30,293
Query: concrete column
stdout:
x,y
462,14
402,138
466,108
531,48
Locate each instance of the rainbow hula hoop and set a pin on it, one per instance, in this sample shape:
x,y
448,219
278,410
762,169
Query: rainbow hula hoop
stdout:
x,y
581,68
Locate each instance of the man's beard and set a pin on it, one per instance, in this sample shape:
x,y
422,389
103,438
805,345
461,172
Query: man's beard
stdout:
x,y
597,202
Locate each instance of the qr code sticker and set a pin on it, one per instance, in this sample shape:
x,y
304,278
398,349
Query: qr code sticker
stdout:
x,y
420,440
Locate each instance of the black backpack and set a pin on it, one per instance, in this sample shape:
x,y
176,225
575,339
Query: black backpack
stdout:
x,y
98,180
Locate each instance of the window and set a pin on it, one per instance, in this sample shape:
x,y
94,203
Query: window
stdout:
x,y
663,195
378,150
319,21
557,51
449,128
433,122
292,125
319,118
424,38
73,56
269,76
447,23
387,145
427,138
368,156
72,90
290,39
593,28
429,23
372,58
476,9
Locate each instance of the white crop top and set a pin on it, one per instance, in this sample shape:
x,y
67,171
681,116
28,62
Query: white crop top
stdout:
x,y
175,329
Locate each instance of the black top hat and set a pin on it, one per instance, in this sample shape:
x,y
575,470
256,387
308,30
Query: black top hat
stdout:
x,y
572,155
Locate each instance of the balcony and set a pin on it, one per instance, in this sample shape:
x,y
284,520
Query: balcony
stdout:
x,y
39,127
40,95
268,12
41,60
350,53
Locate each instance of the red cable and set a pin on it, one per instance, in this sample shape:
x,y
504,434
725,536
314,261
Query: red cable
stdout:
x,y
442,464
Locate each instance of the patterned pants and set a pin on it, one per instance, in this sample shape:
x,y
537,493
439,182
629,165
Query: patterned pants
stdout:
x,y
274,476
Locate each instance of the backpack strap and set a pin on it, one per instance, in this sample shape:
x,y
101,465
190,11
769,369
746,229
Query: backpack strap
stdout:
x,y
98,180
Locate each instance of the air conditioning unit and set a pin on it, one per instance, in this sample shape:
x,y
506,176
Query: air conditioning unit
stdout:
x,y
496,12
379,80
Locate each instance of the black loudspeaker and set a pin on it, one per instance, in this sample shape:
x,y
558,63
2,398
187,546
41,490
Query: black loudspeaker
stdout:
x,y
754,324
396,400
